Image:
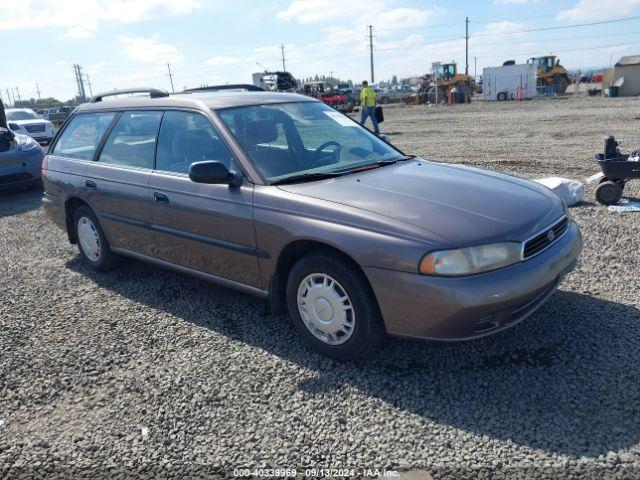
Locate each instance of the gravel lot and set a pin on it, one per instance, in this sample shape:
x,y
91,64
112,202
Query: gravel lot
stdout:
x,y
146,373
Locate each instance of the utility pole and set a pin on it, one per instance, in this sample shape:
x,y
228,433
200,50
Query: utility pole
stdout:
x,y
466,46
89,85
38,90
475,67
284,68
170,77
9,96
18,92
79,80
371,52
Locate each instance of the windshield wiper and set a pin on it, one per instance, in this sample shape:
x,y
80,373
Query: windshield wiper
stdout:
x,y
378,164
306,177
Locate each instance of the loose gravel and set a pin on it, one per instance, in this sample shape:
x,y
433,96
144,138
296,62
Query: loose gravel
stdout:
x,y
145,373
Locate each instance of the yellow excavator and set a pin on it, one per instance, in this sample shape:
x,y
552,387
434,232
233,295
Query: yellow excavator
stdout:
x,y
447,77
550,73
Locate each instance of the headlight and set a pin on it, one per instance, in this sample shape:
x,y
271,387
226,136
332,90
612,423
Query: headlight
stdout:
x,y
470,260
26,143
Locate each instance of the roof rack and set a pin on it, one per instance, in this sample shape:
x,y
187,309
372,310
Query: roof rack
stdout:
x,y
153,93
215,88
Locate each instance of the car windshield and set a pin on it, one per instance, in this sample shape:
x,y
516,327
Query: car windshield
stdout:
x,y
307,139
21,115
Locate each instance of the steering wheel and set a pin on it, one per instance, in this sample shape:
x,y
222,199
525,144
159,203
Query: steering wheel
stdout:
x,y
317,154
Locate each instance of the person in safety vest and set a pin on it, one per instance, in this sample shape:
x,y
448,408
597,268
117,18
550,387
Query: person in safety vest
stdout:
x,y
368,106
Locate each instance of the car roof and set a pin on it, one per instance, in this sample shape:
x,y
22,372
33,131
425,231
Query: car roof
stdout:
x,y
209,100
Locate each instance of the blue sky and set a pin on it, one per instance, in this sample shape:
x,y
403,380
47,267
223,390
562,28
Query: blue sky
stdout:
x,y
123,43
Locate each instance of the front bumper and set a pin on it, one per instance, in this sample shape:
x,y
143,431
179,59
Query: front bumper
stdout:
x,y
464,308
18,169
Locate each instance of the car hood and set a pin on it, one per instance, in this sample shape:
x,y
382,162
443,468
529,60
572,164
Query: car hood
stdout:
x,y
460,204
34,121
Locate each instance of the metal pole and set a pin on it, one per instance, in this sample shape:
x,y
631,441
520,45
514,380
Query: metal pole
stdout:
x,y
371,52
170,77
83,94
435,79
284,68
475,67
75,72
89,85
38,90
18,92
466,46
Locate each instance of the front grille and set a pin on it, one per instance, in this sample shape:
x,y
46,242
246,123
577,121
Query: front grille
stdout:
x,y
544,240
15,177
36,127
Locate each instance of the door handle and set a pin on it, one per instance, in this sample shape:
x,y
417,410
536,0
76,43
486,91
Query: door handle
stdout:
x,y
91,184
160,198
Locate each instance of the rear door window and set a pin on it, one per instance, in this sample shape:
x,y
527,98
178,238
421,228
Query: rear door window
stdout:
x,y
81,137
186,138
132,142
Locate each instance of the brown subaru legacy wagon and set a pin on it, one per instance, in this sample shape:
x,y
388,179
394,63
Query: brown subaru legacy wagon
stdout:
x,y
280,196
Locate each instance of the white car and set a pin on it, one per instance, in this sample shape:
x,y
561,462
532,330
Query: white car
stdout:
x,y
27,122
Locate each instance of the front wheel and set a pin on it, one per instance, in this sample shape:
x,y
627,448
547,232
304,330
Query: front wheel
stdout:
x,y
333,308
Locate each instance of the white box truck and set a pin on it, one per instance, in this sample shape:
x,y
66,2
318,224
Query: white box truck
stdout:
x,y
509,82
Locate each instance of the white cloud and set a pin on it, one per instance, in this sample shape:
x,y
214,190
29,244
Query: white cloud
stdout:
x,y
78,32
307,11
500,28
336,36
403,18
598,10
267,49
81,18
148,50
379,12
221,60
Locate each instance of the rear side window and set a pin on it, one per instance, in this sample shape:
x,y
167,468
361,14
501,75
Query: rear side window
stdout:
x,y
82,136
186,138
132,141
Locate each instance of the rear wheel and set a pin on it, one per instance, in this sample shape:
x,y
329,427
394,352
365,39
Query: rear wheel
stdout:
x,y
431,95
609,193
561,83
92,243
502,96
333,308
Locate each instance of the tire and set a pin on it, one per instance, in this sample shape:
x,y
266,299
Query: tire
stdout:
x,y
561,83
431,95
356,329
502,96
608,193
92,243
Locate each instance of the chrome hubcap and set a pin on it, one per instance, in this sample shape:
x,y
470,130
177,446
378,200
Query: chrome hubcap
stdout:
x,y
326,309
89,239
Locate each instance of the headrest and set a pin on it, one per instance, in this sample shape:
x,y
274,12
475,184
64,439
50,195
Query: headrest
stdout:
x,y
261,131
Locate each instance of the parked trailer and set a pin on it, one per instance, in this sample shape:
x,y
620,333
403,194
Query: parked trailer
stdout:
x,y
509,82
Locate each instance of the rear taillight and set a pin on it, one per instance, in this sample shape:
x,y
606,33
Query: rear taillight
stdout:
x,y
45,160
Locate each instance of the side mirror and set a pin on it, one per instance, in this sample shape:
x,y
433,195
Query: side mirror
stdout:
x,y
212,172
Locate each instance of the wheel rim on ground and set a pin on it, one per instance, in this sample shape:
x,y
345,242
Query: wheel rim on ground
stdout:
x,y
326,309
89,239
